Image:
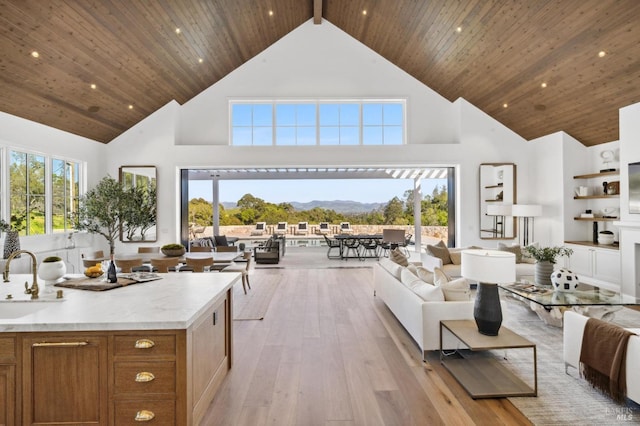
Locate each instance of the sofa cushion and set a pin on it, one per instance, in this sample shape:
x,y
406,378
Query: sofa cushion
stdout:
x,y
427,292
424,274
440,251
515,249
397,256
391,267
453,290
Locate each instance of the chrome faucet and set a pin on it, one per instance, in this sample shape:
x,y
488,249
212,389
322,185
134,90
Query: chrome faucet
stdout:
x,y
34,290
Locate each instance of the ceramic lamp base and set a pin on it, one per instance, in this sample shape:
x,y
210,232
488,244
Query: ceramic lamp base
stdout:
x,y
487,310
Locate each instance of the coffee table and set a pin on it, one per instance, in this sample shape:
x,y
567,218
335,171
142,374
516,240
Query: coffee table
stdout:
x,y
486,377
588,300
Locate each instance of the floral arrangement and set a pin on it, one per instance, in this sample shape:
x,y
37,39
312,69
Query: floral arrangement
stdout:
x,y
548,254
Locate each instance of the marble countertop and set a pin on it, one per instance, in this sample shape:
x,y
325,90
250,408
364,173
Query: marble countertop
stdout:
x,y
173,302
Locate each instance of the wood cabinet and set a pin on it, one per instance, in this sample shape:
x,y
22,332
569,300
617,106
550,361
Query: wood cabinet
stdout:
x,y
8,380
64,379
114,378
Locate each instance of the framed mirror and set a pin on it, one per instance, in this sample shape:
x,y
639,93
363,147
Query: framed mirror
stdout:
x,y
497,196
140,186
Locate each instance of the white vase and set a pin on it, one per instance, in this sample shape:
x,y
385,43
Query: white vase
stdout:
x,y
51,272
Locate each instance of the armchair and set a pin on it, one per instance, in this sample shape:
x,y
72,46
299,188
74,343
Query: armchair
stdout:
x,y
271,251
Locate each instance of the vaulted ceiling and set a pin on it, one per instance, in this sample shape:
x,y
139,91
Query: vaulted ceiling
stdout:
x,y
536,66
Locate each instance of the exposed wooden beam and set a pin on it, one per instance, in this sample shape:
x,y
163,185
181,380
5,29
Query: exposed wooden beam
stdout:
x,y
317,12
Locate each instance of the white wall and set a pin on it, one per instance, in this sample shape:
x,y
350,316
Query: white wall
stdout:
x,y
340,66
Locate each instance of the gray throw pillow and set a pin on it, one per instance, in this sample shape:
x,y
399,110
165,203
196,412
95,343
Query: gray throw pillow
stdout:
x,y
398,257
440,251
515,249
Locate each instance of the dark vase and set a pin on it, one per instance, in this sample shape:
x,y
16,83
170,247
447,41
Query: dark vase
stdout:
x,y
487,310
111,272
11,243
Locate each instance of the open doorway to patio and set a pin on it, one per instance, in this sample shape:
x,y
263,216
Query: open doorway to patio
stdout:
x,y
252,202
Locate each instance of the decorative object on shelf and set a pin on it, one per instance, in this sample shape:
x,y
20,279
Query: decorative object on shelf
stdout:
x,y
489,268
545,261
528,213
173,250
605,237
613,188
563,280
51,270
607,157
582,191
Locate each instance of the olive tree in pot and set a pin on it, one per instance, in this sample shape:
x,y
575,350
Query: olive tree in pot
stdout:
x,y
545,261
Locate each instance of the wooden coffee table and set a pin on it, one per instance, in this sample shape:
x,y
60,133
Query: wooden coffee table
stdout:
x,y
486,377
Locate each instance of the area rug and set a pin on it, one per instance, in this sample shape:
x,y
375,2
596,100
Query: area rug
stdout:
x,y
255,304
563,399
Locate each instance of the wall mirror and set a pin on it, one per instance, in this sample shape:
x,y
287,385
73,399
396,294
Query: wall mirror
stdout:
x,y
139,223
497,195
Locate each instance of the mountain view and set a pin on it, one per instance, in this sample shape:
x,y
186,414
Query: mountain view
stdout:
x,y
339,206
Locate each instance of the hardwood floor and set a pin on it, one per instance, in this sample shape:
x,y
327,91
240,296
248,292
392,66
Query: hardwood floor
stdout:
x,y
329,353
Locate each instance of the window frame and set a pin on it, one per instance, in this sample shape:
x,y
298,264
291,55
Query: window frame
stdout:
x,y
362,128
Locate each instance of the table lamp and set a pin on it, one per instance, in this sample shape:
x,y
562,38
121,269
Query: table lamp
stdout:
x,y
488,268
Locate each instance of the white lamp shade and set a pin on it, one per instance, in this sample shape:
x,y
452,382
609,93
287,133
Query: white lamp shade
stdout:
x,y
526,210
499,209
489,266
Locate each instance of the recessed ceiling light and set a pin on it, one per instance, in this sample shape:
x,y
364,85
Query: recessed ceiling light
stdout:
x,y
364,12
130,106
543,85
271,13
178,31
459,29
602,54
505,105
93,86
200,60
35,54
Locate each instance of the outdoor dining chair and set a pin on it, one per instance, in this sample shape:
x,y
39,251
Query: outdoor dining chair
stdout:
x,y
333,244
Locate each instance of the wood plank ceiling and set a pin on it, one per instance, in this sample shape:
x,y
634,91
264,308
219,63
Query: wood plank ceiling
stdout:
x,y
490,52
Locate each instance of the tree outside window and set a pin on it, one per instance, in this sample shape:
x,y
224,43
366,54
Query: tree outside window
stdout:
x,y
27,193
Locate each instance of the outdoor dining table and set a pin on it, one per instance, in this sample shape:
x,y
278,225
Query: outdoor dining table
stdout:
x,y
344,238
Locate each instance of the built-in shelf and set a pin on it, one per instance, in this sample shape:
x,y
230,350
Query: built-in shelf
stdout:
x,y
596,219
493,201
596,175
592,197
614,246
494,186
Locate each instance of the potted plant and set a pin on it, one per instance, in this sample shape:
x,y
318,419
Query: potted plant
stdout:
x,y
52,269
545,261
12,239
173,250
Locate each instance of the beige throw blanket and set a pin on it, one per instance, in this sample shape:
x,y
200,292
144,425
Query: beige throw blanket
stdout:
x,y
603,357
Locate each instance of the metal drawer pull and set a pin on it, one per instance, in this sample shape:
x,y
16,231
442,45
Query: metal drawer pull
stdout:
x,y
41,344
144,376
144,416
144,344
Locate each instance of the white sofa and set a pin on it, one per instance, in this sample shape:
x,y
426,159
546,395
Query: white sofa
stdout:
x,y
574,324
421,319
453,269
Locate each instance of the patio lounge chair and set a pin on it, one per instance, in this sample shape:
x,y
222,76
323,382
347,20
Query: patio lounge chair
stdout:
x,y
302,228
345,228
261,228
281,228
323,228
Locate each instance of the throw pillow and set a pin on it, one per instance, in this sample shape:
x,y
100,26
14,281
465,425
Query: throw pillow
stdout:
x,y
453,290
397,256
221,240
407,277
413,268
456,256
440,251
392,267
424,274
427,292
515,249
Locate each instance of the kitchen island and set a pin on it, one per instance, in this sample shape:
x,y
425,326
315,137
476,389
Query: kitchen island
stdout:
x,y
154,351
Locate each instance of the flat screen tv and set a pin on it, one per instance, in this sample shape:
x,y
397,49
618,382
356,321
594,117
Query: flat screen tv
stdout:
x,y
634,188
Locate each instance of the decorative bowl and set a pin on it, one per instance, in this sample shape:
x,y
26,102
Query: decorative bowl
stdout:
x,y
93,274
173,252
605,238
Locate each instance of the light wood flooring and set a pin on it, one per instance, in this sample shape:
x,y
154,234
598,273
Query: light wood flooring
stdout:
x,y
329,353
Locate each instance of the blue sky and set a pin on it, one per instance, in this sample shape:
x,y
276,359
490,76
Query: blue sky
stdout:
x,y
277,191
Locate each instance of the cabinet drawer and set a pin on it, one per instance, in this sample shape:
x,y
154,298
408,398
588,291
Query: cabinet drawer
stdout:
x,y
145,345
8,349
162,411
145,377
